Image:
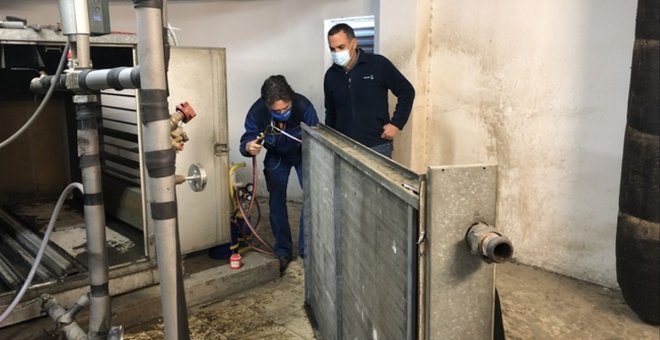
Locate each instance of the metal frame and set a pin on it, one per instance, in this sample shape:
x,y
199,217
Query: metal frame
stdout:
x,y
333,303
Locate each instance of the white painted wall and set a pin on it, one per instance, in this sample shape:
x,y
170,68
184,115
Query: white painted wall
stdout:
x,y
262,37
540,88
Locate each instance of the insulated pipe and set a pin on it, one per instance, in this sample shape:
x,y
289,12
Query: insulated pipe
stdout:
x,y
489,244
93,80
42,84
160,159
87,112
117,78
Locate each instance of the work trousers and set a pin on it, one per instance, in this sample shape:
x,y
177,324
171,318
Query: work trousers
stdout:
x,y
384,149
276,170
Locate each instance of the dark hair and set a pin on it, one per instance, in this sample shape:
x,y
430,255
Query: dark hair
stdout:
x,y
276,88
342,28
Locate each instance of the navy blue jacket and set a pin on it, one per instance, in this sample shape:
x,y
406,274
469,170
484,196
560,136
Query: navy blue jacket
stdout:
x,y
356,102
259,119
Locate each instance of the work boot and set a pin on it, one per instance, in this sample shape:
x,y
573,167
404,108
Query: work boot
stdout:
x,y
284,263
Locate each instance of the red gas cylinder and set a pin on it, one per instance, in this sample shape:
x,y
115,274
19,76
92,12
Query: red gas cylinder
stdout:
x,y
235,261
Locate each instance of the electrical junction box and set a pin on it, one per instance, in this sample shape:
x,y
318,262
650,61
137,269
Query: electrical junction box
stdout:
x,y
99,17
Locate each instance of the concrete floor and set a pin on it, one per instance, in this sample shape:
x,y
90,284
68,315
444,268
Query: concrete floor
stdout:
x,y
536,305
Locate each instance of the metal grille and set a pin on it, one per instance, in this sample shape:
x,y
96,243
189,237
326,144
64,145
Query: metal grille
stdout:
x,y
119,135
365,37
361,223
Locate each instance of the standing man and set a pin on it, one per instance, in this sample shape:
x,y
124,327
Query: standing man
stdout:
x,y
273,122
355,89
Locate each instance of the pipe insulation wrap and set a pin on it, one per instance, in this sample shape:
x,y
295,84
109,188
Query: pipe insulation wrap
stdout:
x,y
117,78
163,211
160,163
153,106
42,84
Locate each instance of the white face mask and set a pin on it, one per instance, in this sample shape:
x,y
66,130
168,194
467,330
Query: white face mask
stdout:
x,y
341,58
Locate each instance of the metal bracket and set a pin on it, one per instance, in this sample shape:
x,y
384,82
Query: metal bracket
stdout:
x,y
219,149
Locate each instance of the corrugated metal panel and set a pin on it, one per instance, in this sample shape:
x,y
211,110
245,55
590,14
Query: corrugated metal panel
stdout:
x,y
320,271
361,224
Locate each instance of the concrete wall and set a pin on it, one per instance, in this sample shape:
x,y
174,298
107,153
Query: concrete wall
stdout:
x,y
540,88
262,37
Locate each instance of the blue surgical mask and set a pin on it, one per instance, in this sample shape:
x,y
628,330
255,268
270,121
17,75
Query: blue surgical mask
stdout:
x,y
341,58
281,116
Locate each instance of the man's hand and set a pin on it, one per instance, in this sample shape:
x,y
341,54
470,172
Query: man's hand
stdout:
x,y
389,131
253,147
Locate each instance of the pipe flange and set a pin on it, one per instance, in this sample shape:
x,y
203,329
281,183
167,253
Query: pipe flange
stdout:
x,y
196,177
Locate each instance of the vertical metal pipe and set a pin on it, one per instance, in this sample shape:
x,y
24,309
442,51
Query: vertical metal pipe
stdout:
x,y
82,56
75,16
159,159
87,112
